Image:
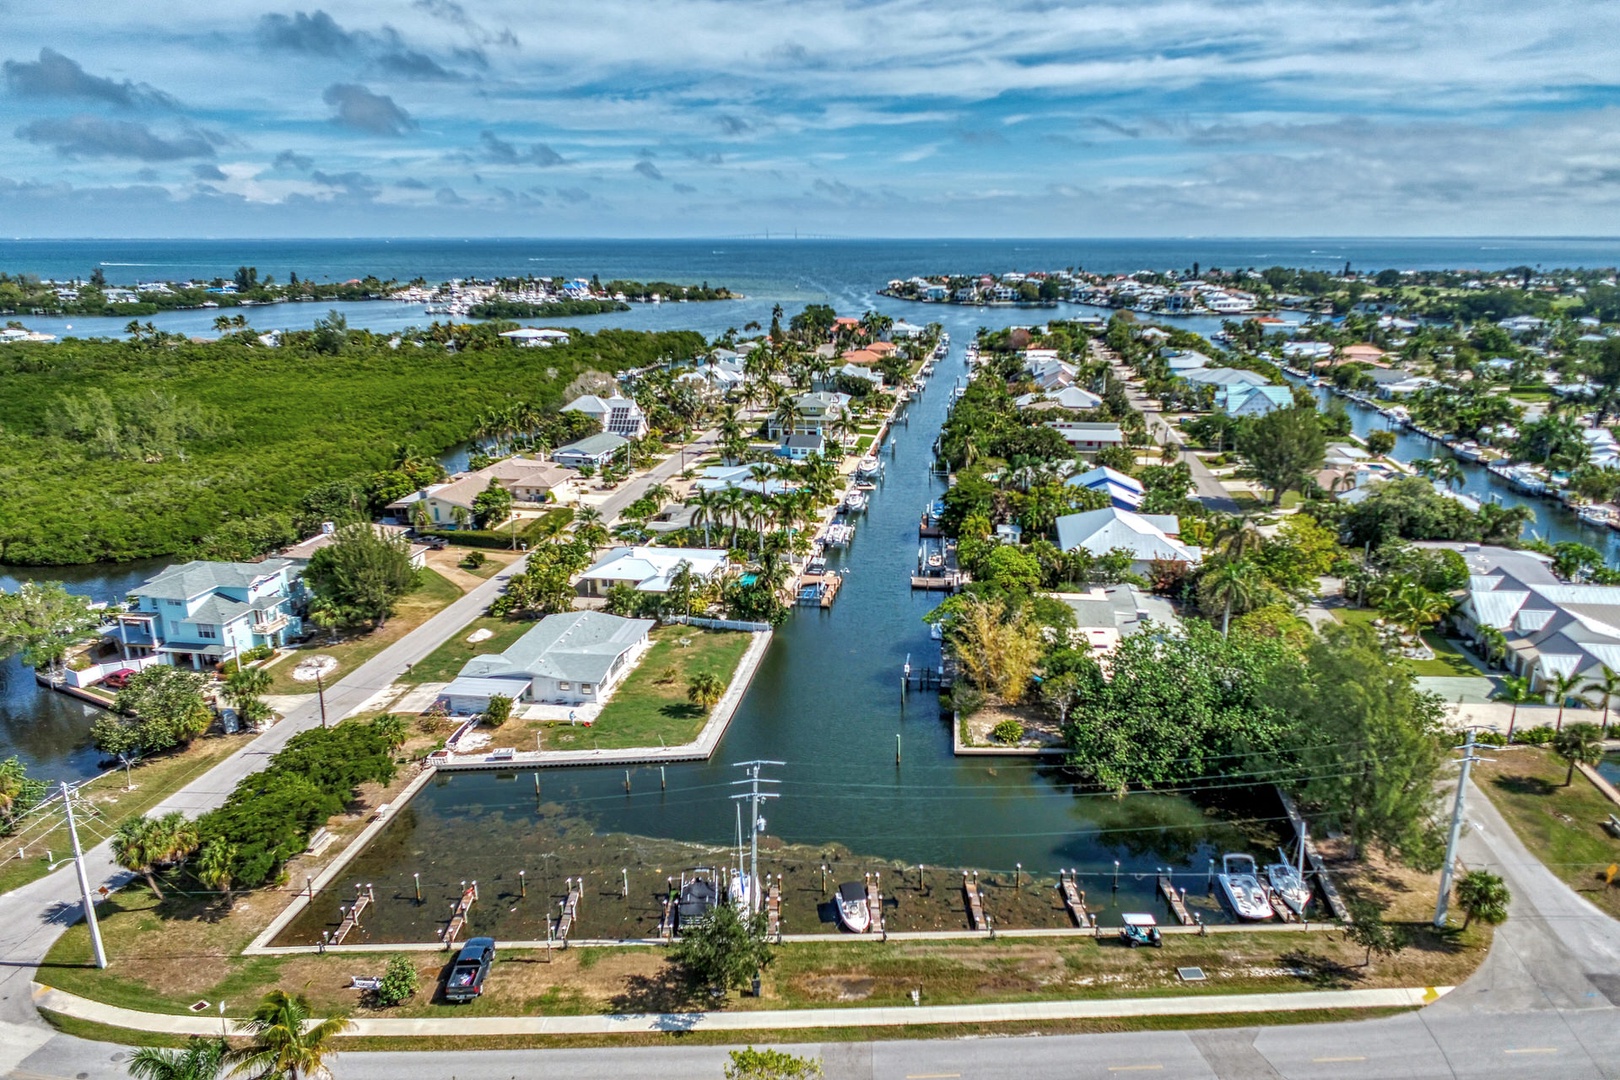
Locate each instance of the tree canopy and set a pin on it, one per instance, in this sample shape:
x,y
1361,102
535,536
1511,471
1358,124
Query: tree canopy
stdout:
x,y
361,576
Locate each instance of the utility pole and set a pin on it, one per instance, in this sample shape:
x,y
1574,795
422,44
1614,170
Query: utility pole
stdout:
x,y
756,823
84,882
320,691
1468,760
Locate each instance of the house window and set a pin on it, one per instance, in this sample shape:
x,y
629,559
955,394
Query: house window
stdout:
x,y
207,633
564,685
585,688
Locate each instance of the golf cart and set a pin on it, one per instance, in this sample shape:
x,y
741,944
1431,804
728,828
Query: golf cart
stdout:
x,y
1141,930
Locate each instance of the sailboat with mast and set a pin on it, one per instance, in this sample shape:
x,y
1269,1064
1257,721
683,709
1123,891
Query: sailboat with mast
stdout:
x,y
743,891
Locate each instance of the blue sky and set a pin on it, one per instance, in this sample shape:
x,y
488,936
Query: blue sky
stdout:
x,y
869,117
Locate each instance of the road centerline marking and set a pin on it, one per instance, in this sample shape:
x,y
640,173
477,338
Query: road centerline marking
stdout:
x,y
1531,1050
1335,1060
1134,1068
933,1076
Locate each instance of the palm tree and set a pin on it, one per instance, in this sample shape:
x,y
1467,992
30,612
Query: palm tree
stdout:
x,y
213,869
136,846
1233,583
243,688
1579,744
1562,686
199,1059
1492,644
704,689
707,508
1483,896
1515,691
1604,689
287,1044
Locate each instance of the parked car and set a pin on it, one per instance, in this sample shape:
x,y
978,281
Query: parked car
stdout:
x,y
435,543
466,979
118,679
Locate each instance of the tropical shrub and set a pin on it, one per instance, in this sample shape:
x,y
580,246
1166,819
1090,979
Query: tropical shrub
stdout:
x,y
1008,731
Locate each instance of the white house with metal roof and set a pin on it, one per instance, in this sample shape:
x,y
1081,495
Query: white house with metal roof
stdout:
x,y
595,450
1148,538
648,569
618,414
1124,492
199,614
575,658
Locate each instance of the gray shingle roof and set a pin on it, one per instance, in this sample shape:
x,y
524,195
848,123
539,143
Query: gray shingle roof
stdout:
x,y
195,578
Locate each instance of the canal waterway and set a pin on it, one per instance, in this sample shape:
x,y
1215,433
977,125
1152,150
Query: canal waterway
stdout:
x,y
826,703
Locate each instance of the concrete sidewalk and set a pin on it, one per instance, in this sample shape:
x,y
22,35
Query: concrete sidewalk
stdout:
x,y
60,1001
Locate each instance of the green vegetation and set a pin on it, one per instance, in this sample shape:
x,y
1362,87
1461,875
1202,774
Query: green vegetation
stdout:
x,y
162,707
40,620
725,951
399,982
360,577
1484,896
24,292
286,424
269,817
751,1064
552,309
18,793
644,710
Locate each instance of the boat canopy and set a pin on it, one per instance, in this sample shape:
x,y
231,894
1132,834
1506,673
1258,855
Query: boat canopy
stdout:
x,y
1140,920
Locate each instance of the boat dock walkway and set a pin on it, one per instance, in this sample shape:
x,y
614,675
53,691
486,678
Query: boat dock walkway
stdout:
x,y
874,904
975,902
1074,899
773,908
1178,906
351,918
458,917
570,910
1280,909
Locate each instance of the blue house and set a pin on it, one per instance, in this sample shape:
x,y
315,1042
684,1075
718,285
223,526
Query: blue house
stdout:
x,y
1242,400
199,614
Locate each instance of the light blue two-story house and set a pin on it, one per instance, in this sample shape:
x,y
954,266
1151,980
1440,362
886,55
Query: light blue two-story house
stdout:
x,y
199,614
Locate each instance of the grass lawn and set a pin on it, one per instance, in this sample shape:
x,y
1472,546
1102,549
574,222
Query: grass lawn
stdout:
x,y
650,706
1562,825
103,805
1448,659
445,662
863,444
434,594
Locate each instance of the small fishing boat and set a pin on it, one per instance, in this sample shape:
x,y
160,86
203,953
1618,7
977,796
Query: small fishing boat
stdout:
x,y
1469,451
865,486
698,896
1286,882
936,559
817,565
1596,515
853,913
856,502
1239,883
869,467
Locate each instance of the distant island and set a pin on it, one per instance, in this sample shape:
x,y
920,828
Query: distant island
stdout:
x,y
1450,295
527,297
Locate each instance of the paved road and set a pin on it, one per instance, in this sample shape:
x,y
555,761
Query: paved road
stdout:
x,y
1206,485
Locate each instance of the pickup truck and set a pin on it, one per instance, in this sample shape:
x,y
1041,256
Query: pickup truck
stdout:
x,y
471,967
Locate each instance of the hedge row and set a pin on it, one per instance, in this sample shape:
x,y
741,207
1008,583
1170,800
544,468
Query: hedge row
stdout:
x,y
541,528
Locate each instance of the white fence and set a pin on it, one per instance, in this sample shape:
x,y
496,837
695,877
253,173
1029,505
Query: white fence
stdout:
x,y
96,672
721,624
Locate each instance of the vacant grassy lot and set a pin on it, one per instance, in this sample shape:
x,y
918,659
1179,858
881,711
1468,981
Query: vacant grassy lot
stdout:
x,y
1562,825
650,708
445,662
432,596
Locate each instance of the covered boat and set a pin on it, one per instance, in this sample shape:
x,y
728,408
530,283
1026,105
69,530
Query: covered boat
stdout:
x,y
853,913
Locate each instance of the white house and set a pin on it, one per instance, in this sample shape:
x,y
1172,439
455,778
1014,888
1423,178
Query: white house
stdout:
x,y
817,413
529,337
594,450
568,659
1075,398
1147,537
618,415
648,569
1088,438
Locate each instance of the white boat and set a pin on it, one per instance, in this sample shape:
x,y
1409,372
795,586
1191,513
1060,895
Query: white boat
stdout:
x,y
856,502
1596,515
1239,882
1469,451
741,890
853,913
1289,886
868,467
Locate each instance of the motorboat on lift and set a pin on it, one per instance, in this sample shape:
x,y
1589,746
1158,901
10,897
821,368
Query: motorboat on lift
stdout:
x,y
853,913
699,895
1239,882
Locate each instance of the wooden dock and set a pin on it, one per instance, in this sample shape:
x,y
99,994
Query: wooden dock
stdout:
x,y
975,903
458,917
351,919
666,925
773,909
570,911
874,905
1178,906
949,582
1280,909
1074,899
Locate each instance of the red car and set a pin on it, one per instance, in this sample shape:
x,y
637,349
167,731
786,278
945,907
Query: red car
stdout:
x,y
118,679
